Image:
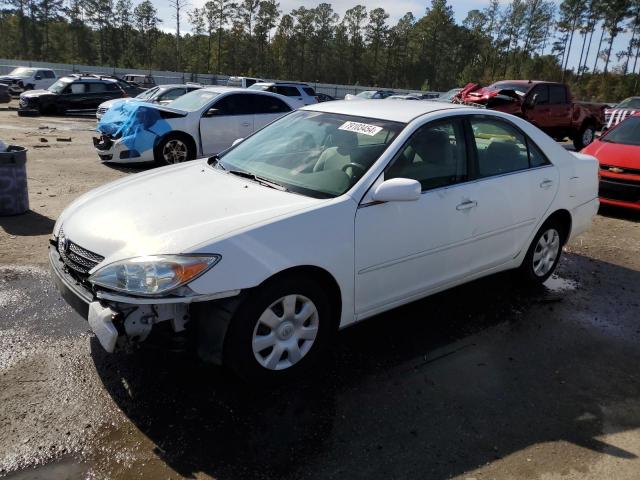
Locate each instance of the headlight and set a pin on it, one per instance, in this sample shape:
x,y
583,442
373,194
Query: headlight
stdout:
x,y
153,275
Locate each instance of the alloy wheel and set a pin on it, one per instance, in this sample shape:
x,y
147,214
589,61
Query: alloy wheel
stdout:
x,y
587,136
175,151
285,332
546,252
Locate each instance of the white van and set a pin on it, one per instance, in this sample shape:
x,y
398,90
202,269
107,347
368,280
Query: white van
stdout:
x,y
242,82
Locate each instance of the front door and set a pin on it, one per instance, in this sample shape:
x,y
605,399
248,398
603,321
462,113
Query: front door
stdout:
x,y
406,249
233,119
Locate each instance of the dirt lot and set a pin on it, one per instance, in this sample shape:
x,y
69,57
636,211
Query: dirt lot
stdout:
x,y
61,165
486,381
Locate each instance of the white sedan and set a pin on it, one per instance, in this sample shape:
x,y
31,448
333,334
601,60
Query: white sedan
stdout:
x,y
334,213
200,123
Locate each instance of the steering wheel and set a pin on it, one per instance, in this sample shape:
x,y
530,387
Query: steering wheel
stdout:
x,y
353,165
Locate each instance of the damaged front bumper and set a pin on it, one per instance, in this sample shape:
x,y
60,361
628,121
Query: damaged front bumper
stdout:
x,y
121,320
116,151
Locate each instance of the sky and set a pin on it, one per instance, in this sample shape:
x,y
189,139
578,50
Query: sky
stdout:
x,y
396,9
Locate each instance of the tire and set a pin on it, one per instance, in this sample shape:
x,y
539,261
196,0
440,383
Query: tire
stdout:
x,y
173,149
585,136
280,330
539,263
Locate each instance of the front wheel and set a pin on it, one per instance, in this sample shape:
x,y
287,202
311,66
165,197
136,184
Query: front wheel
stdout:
x,y
279,330
544,253
584,137
173,149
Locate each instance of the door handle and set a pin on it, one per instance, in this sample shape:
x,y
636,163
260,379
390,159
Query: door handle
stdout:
x,y
245,124
546,183
466,205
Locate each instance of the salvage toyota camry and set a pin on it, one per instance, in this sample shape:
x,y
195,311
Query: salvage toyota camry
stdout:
x,y
328,216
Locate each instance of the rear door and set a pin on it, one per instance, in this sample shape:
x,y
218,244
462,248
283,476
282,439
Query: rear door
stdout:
x,y
515,186
267,109
233,119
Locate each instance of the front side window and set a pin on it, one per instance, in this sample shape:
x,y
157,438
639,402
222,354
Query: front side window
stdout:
x,y
435,155
541,93
557,94
313,153
78,87
59,86
501,148
235,104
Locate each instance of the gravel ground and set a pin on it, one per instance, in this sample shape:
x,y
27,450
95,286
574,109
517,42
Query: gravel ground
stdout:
x,y
486,381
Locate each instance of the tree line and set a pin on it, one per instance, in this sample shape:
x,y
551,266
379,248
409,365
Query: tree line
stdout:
x,y
522,39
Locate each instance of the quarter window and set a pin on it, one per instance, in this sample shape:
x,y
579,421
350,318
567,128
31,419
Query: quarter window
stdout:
x,y
503,149
435,156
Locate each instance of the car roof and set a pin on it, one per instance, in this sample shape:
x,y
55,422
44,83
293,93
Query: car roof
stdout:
x,y
526,82
382,110
297,84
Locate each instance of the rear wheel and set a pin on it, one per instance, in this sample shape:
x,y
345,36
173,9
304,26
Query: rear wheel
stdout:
x,y
544,253
280,330
585,136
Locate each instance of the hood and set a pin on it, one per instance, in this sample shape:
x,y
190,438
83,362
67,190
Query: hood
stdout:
x,y
35,93
615,154
172,210
10,78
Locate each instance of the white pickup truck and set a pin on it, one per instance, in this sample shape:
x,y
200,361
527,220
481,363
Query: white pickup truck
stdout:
x,y
28,78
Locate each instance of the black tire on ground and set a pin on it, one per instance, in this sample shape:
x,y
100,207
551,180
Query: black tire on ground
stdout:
x,y
586,134
529,271
238,354
183,139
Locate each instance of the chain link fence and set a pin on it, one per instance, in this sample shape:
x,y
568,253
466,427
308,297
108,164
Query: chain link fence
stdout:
x,y
166,77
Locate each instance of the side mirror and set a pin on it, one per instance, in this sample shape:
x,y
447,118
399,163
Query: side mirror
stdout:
x,y
38,77
533,99
212,112
236,141
397,190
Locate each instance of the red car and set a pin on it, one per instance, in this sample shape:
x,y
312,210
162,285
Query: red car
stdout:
x,y
618,151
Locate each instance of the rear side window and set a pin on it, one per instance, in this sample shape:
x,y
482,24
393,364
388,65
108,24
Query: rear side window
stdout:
x,y
287,91
501,148
112,87
266,104
309,91
97,87
557,94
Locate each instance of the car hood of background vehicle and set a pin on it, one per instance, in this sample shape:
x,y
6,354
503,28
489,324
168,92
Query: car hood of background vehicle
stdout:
x,y
172,210
615,154
10,78
36,93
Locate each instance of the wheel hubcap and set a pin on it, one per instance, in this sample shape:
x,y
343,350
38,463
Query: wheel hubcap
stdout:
x,y
285,332
174,151
587,137
546,252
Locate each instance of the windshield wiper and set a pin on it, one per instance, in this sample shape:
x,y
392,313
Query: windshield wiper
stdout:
x,y
261,180
214,161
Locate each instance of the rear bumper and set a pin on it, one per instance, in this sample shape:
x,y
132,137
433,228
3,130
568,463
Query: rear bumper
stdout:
x,y
582,216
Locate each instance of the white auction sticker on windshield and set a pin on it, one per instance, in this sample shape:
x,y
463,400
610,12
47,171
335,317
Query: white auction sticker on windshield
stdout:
x,y
363,128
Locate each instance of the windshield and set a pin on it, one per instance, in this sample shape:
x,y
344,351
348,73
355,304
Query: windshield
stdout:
x,y
450,94
633,102
321,155
22,72
627,132
366,94
195,100
519,88
59,86
260,86
148,93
